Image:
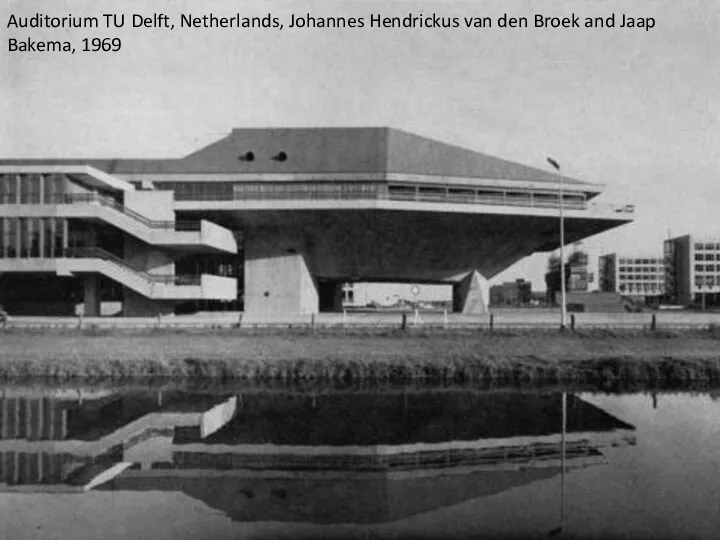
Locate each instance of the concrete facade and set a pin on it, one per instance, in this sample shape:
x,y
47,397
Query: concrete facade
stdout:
x,y
632,275
278,280
693,270
315,208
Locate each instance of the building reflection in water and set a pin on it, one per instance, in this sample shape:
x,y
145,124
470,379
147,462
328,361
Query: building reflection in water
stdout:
x,y
325,457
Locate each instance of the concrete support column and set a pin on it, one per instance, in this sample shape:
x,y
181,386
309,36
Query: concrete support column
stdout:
x,y
41,236
65,235
278,281
19,226
470,296
92,295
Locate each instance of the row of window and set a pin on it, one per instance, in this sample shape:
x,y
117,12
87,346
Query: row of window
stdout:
x,y
643,269
707,281
407,191
640,261
711,246
707,256
641,277
707,268
32,237
31,188
200,191
642,287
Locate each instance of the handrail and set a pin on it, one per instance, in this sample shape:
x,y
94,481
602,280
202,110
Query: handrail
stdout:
x,y
395,192
498,200
97,253
70,198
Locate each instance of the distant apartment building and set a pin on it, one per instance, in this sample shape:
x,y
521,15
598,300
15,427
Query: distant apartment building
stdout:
x,y
632,276
692,268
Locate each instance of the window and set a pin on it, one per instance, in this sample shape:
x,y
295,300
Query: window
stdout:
x,y
401,192
461,195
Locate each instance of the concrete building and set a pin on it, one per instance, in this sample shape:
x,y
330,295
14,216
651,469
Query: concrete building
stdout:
x,y
274,221
641,277
692,267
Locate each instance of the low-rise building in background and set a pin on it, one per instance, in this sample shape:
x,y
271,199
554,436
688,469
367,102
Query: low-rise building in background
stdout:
x,y
692,270
641,277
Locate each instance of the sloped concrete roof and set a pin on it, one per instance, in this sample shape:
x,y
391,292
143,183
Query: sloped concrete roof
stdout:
x,y
364,150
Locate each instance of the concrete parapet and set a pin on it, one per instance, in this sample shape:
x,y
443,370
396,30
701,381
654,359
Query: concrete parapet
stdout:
x,y
217,417
218,237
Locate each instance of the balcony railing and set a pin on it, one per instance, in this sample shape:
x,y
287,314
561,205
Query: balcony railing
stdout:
x,y
97,253
72,198
265,191
500,199
115,205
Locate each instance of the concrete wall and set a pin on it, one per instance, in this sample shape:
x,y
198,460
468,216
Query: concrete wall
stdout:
x,y
147,258
278,281
155,205
153,261
218,287
137,305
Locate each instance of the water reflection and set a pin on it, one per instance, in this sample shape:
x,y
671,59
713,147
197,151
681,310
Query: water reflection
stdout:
x,y
396,463
322,458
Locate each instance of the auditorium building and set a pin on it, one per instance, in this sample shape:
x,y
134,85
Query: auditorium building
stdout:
x,y
273,222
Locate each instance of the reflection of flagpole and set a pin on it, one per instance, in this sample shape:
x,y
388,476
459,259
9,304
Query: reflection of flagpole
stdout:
x,y
562,450
559,529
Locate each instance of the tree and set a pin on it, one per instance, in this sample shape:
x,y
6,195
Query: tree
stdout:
x,y
552,277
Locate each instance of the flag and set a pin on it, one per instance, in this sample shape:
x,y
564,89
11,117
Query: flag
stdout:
x,y
554,163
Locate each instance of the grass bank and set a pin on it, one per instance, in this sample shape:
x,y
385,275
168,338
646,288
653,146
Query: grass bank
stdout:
x,y
527,356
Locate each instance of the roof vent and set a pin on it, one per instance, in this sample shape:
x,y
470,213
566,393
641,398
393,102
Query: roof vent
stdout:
x,y
247,156
280,156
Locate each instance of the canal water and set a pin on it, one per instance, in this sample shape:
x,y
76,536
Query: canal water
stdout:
x,y
155,463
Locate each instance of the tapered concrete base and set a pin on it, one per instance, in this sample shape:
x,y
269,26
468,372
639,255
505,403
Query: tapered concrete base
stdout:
x,y
91,295
278,282
470,296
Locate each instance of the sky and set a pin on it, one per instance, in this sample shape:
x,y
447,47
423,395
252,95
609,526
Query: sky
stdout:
x,y
637,110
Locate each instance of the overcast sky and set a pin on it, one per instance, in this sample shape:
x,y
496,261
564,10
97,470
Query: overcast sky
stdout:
x,y
633,109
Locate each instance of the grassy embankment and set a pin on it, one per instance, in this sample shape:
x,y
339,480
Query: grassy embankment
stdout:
x,y
523,356
591,356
